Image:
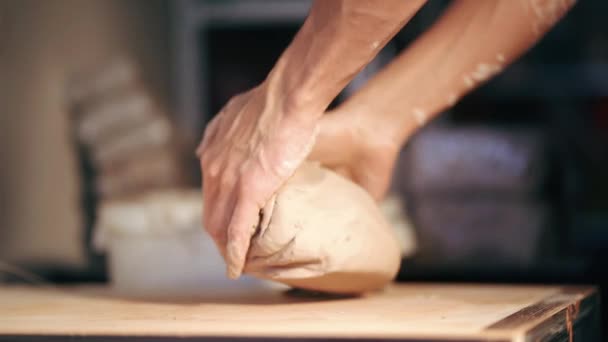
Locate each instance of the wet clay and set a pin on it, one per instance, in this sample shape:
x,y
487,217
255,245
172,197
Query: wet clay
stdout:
x,y
322,232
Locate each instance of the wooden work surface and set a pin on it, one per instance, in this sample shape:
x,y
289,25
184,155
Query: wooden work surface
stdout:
x,y
405,312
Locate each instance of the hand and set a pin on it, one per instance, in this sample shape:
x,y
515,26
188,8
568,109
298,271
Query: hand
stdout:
x,y
358,147
248,151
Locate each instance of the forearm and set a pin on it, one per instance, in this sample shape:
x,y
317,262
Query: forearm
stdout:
x,y
337,40
473,41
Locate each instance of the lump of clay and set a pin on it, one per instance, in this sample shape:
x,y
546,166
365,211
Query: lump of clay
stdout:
x,y
322,232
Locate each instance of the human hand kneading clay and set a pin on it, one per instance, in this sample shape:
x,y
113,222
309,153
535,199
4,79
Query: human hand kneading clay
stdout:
x,y
260,138
322,232
248,151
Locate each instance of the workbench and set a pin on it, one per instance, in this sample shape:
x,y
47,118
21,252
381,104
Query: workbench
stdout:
x,y
406,312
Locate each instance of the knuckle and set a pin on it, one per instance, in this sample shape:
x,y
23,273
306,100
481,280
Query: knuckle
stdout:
x,y
213,122
210,128
243,170
232,102
205,159
254,189
213,167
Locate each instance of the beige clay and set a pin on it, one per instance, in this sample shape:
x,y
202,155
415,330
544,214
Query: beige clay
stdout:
x,y
322,232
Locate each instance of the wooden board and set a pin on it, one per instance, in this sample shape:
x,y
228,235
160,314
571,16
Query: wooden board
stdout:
x,y
420,312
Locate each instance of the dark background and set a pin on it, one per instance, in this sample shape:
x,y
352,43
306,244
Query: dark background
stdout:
x,y
522,197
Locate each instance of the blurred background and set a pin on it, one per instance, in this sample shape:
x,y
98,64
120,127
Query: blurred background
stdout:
x,y
104,100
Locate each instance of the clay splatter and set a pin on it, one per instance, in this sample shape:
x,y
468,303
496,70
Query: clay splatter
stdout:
x,y
420,115
452,99
468,81
547,12
485,71
482,72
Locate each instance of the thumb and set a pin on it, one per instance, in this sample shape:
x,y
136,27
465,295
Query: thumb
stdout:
x,y
243,223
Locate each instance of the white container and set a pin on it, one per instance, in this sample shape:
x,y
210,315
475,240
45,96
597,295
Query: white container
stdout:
x,y
156,247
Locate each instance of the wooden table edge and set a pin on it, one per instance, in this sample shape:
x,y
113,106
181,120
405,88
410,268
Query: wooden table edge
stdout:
x,y
566,309
557,315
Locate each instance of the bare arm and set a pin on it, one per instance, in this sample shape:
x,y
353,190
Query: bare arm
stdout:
x,y
260,137
473,41
336,41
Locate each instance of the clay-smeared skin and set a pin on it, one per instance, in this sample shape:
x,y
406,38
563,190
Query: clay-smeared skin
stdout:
x,y
260,137
324,233
546,13
472,42
360,150
240,167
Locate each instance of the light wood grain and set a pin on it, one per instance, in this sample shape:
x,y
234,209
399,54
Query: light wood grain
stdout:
x,y
401,311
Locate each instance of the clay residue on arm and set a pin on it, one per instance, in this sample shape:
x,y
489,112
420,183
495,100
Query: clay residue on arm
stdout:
x,y
546,13
471,43
336,41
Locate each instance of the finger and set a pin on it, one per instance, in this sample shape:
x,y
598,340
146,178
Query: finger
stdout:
x,y
226,201
209,208
210,188
243,224
216,224
210,203
222,199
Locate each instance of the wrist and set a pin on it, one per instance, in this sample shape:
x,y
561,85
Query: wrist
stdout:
x,y
367,125
374,120
397,110
291,99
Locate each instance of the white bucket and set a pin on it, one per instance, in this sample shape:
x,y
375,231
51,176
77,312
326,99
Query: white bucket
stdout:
x,y
156,247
